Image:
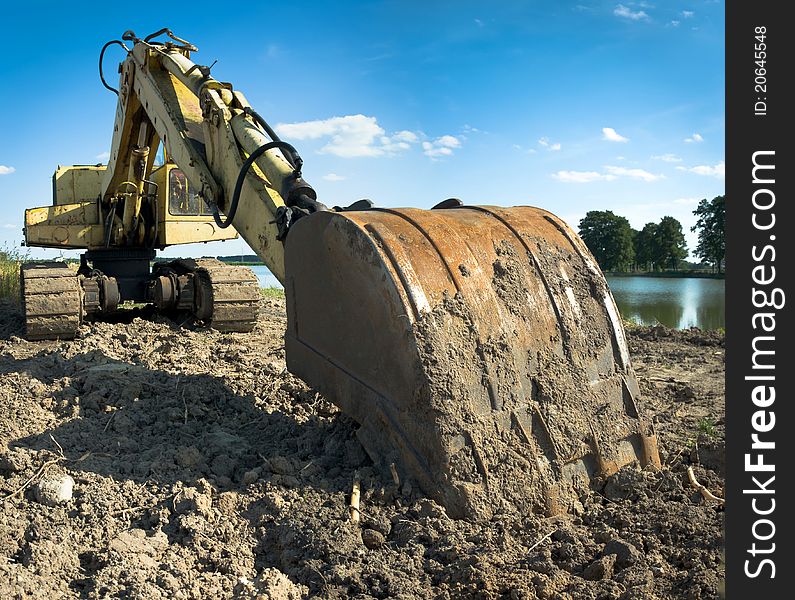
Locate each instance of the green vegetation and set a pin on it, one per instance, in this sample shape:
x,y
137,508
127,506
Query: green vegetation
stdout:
x,y
9,273
660,245
609,237
711,228
659,248
707,427
246,260
272,292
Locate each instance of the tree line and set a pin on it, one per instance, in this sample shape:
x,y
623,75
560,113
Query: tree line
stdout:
x,y
658,246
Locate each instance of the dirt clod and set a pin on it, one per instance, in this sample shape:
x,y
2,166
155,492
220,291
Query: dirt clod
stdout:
x,y
53,490
372,538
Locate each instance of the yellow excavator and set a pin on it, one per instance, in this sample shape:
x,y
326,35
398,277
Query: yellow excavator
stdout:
x,y
478,347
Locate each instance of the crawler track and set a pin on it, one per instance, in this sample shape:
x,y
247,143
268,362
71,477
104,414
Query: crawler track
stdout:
x,y
51,301
227,296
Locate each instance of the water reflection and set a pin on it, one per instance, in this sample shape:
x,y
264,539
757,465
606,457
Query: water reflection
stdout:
x,y
680,303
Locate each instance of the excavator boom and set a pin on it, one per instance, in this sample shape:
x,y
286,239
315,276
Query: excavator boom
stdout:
x,y
478,347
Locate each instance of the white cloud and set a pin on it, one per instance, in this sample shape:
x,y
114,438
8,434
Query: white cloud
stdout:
x,y
627,13
333,177
687,14
581,176
351,136
695,138
405,136
718,170
633,173
669,158
9,226
103,156
441,146
544,141
4,170
610,173
611,135
687,200
674,23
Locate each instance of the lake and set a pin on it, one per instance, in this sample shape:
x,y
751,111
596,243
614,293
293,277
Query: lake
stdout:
x,y
674,302
266,278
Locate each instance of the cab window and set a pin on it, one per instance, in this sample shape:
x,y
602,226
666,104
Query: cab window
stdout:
x,y
182,201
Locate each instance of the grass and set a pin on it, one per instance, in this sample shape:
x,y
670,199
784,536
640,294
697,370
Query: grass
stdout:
x,y
272,292
10,260
707,427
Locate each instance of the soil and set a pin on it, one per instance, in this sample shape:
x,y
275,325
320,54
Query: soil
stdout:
x,y
200,468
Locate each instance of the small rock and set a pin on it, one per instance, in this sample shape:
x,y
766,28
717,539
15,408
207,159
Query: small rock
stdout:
x,y
281,465
52,491
601,568
380,523
372,539
223,465
626,554
188,456
250,477
224,482
191,499
289,481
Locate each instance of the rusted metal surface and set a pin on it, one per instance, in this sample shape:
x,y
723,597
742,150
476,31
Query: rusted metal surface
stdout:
x,y
467,335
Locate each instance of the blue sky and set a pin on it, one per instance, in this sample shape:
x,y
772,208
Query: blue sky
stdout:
x,y
571,106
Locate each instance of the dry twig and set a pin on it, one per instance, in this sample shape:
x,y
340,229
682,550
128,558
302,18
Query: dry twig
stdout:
x,y
541,540
395,476
355,498
33,477
704,491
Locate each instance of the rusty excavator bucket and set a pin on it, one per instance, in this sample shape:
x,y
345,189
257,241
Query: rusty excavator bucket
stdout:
x,y
479,348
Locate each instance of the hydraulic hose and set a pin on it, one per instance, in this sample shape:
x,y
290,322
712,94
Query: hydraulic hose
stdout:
x,y
241,177
101,56
296,162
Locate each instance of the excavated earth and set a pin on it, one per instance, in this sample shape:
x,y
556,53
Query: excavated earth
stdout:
x,y
202,469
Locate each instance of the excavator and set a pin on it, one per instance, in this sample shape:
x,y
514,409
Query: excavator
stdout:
x,y
478,348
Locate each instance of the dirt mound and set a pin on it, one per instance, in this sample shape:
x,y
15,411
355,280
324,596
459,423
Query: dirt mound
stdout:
x,y
693,335
202,469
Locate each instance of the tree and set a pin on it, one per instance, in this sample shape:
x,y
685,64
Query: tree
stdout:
x,y
711,228
609,238
670,243
645,250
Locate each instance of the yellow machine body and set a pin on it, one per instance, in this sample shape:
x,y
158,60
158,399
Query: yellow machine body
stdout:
x,y
73,221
